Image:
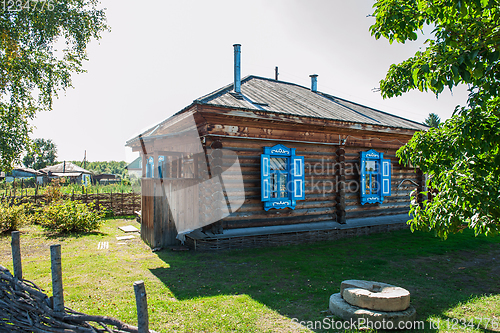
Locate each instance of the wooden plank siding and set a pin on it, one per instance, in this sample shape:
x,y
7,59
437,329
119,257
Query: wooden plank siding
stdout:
x,y
160,215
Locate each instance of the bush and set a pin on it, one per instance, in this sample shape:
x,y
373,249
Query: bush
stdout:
x,y
12,217
53,192
70,216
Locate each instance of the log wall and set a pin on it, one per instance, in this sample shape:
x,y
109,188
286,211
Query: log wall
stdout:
x,y
320,185
332,183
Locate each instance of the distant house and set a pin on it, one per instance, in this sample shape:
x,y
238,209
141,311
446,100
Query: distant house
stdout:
x,y
21,173
70,170
135,168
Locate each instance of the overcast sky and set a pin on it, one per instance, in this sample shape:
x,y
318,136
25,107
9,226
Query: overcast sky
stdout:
x,y
161,55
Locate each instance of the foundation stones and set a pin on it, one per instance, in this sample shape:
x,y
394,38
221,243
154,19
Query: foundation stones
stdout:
x,y
373,302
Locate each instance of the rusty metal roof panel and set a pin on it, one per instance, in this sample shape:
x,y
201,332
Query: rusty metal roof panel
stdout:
x,y
259,93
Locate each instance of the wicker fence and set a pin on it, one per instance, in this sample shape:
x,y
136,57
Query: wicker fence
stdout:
x,y
122,204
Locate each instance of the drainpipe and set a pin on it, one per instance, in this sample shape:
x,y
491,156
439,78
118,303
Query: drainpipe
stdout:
x,y
237,68
314,82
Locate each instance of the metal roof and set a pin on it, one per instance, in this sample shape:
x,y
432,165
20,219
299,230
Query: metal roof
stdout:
x,y
27,170
279,97
262,94
66,168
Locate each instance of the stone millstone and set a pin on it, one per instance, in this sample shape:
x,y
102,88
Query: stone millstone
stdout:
x,y
375,295
340,308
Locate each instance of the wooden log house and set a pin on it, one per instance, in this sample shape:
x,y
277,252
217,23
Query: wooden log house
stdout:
x,y
313,167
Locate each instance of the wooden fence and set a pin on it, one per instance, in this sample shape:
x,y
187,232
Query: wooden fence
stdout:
x,y
26,308
122,204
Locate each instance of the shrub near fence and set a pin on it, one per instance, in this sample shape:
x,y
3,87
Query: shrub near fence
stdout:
x,y
121,204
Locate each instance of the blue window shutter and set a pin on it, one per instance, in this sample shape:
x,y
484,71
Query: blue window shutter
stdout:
x,y
386,178
297,177
265,177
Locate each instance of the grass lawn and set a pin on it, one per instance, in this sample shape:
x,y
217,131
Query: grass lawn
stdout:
x,y
261,290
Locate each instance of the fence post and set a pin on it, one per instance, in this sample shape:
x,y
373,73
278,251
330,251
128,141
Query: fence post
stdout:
x,y
141,302
16,255
57,285
133,203
97,206
123,212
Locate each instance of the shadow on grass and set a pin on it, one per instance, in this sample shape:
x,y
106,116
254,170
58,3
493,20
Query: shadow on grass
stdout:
x,y
297,281
48,234
75,235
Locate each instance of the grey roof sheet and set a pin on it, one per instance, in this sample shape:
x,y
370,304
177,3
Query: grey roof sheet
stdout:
x,y
28,170
283,97
66,167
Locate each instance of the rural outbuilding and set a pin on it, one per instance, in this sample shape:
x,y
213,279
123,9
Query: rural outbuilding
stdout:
x,y
21,173
263,162
68,169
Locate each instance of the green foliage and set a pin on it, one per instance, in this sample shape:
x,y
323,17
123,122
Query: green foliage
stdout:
x,y
432,120
12,217
107,167
66,216
53,192
464,47
464,173
42,154
462,155
31,70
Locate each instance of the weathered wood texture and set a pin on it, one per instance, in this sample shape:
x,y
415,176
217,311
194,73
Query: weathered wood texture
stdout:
x,y
141,302
403,181
160,215
16,255
24,307
331,151
320,185
57,282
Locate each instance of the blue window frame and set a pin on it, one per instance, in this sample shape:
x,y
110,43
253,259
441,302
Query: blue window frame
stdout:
x,y
150,167
282,177
375,177
161,166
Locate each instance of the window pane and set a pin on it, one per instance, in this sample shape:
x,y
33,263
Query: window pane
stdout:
x,y
374,184
274,185
279,163
367,184
283,183
370,166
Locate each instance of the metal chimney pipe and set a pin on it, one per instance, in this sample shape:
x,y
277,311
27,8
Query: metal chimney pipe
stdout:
x,y
314,82
237,68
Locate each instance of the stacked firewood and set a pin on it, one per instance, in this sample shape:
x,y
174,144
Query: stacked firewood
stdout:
x,y
24,307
